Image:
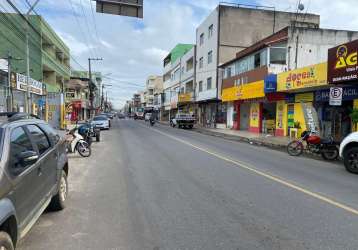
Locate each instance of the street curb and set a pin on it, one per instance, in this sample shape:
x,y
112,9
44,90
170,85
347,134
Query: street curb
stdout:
x,y
254,142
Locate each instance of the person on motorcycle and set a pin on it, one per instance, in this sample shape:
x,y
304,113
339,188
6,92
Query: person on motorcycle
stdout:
x,y
152,118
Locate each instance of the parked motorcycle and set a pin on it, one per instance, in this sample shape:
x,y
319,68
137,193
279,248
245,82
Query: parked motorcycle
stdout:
x,y
327,148
88,131
77,142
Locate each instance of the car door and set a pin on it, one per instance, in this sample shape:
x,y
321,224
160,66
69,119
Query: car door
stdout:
x,y
25,177
47,159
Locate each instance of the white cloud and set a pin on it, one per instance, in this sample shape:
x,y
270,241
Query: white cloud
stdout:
x,y
133,49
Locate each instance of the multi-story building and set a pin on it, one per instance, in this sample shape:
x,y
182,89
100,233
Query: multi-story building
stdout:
x,y
172,73
77,99
154,86
49,61
187,82
98,96
171,78
264,86
226,31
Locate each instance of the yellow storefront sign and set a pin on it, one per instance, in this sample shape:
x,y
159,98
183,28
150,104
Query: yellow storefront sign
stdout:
x,y
304,97
185,97
230,94
245,91
307,77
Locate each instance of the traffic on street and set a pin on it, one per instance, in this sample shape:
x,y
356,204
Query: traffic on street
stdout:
x,y
198,192
178,125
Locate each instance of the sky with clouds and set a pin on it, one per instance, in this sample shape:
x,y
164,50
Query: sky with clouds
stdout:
x,y
134,48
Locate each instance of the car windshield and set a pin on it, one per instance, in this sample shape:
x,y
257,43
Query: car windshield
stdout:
x,y
100,118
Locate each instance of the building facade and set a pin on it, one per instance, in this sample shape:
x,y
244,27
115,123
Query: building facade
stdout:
x,y
265,86
172,73
49,61
226,31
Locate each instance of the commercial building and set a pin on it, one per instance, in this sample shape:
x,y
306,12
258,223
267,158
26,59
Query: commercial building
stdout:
x,y
154,86
49,60
77,100
186,97
172,72
226,31
265,85
96,85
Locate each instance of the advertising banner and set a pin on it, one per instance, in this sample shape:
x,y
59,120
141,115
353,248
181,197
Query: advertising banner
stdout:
x,y
342,63
311,117
307,77
19,82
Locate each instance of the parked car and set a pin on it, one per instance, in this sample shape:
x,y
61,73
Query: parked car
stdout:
x,y
33,174
101,121
348,150
183,120
147,116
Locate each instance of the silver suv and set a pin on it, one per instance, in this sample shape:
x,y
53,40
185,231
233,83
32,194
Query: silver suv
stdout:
x,y
33,174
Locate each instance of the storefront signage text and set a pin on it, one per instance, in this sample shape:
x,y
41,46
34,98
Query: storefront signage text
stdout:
x,y
342,63
312,76
19,82
349,93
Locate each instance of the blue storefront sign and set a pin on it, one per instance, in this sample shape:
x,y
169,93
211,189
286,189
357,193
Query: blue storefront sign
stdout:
x,y
270,83
349,93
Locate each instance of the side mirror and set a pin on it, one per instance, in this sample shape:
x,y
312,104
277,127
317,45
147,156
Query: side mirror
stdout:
x,y
28,157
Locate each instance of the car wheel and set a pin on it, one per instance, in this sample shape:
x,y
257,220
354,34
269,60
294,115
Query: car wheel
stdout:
x,y
58,201
351,160
98,137
5,241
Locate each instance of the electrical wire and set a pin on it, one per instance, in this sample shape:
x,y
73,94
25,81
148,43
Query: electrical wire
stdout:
x,y
88,27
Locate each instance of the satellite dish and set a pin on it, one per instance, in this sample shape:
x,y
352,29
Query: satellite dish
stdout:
x,y
301,7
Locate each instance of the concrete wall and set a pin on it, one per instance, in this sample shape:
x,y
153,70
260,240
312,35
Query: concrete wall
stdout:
x,y
313,44
234,30
242,27
210,44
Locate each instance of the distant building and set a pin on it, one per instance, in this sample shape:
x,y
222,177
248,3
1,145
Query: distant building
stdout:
x,y
172,72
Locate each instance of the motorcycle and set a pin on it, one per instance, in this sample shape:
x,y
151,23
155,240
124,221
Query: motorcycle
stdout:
x,y
77,142
327,148
88,130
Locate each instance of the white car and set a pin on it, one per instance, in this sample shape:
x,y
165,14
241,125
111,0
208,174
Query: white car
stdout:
x,y
348,150
147,116
101,122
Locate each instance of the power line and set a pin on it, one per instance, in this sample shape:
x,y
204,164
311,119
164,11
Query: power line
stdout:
x,y
88,28
95,22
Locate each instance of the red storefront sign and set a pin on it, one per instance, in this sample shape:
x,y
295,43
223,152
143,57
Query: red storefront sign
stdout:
x,y
342,63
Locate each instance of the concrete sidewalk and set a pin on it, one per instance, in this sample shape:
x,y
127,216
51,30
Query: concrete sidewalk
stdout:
x,y
278,142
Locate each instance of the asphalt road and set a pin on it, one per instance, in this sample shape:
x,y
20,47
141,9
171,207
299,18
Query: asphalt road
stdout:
x,y
164,188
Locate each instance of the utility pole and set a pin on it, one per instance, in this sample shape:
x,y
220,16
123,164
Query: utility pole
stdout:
x,y
90,82
9,94
26,28
28,94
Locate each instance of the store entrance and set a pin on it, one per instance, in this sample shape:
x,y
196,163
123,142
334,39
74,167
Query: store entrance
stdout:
x,y
336,121
268,118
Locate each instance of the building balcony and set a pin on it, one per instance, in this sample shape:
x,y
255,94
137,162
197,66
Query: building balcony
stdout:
x,y
55,65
